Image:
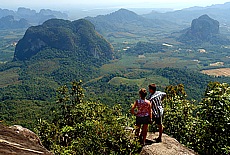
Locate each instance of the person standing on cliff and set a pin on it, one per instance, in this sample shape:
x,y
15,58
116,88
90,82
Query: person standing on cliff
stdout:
x,y
143,115
156,98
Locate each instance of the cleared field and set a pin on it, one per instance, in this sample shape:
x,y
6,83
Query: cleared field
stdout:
x,y
143,82
9,77
119,65
217,72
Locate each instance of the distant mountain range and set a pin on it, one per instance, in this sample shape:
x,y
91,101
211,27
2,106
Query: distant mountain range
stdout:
x,y
8,22
167,20
126,21
219,12
31,16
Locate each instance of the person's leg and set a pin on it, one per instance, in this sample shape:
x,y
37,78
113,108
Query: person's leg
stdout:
x,y
144,132
138,126
160,128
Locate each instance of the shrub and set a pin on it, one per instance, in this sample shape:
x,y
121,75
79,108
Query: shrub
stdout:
x,y
84,127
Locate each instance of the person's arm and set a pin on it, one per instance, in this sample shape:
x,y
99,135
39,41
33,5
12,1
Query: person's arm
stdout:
x,y
163,96
150,110
133,107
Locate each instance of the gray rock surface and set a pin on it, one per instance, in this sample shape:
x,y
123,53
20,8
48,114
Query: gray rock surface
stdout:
x,y
168,146
17,140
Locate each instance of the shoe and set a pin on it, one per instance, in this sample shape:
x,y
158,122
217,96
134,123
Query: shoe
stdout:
x,y
143,144
140,138
158,140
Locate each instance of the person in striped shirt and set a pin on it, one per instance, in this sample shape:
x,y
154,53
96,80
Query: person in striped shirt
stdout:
x,y
156,98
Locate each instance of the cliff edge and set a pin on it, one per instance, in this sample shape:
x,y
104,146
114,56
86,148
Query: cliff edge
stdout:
x,y
168,146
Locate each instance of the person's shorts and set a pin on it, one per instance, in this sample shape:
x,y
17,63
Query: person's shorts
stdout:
x,y
158,120
143,120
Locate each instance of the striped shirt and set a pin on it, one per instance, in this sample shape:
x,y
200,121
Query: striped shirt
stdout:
x,y
156,101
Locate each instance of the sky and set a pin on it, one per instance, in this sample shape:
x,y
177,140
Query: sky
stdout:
x,y
103,4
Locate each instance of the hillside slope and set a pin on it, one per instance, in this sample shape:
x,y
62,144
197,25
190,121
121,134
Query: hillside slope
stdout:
x,y
127,23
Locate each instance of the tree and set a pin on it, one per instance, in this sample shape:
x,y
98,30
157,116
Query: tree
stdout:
x,y
179,120
215,115
83,127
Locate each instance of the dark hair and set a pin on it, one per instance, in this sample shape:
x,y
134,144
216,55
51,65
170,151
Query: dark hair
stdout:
x,y
153,87
143,92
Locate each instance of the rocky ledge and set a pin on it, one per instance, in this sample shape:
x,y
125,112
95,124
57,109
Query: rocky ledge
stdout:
x,y
21,141
168,146
16,140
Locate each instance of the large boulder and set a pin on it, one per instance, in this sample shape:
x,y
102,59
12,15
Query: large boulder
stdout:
x,y
20,141
168,146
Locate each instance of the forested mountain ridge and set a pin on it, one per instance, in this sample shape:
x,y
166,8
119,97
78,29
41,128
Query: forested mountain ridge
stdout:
x,y
63,35
127,21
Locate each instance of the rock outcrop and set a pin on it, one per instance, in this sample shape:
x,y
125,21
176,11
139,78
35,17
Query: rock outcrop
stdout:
x,y
20,141
78,37
203,29
168,146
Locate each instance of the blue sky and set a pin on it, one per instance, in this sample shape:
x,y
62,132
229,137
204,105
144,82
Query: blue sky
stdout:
x,y
89,4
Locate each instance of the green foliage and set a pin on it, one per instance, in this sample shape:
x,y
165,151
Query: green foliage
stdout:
x,y
146,47
84,127
215,116
25,112
204,127
194,82
179,119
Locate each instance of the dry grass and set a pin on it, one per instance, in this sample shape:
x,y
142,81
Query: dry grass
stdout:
x,y
217,72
